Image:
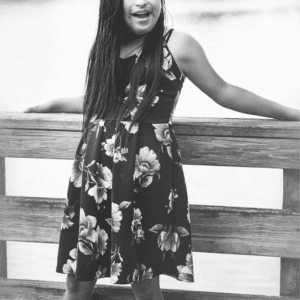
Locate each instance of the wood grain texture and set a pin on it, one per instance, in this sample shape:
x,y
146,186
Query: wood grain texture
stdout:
x,y
268,128
3,247
215,229
240,152
290,267
261,143
13,289
196,150
38,143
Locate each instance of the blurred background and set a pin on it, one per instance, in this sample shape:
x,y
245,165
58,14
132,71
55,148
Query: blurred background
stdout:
x,y
254,44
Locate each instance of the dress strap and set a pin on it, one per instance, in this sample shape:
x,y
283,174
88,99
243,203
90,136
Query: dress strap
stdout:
x,y
168,35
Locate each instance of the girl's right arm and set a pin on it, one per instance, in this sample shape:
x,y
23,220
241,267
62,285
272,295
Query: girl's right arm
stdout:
x,y
62,105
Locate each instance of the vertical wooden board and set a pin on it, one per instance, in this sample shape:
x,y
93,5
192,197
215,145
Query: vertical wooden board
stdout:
x,y
290,267
3,249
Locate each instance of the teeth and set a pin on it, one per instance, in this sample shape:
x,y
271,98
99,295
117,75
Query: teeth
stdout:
x,y
141,14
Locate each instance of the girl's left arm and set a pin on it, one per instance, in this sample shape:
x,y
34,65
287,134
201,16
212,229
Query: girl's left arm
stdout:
x,y
195,65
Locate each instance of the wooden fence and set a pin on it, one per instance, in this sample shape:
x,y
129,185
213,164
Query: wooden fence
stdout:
x,y
232,230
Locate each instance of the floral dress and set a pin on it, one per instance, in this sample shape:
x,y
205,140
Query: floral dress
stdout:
x,y
127,214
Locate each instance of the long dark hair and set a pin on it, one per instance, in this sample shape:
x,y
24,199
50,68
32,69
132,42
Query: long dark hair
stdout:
x,y
103,71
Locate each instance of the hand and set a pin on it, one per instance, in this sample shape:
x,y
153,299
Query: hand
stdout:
x,y
295,115
41,108
291,114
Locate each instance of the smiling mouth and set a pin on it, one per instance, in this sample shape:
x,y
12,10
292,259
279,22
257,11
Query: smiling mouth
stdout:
x,y
141,15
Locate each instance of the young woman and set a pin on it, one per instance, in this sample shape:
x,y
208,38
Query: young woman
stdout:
x,y
127,214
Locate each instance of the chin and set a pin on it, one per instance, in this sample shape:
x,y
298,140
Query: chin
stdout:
x,y
141,31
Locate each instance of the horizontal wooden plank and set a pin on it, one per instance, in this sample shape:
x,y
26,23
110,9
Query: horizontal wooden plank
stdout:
x,y
261,128
254,127
215,229
45,121
264,232
216,151
38,143
240,152
14,289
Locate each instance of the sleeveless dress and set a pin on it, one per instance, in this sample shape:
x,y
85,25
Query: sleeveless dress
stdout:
x,y
126,214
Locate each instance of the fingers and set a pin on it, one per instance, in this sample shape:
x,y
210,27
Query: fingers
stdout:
x,y
42,108
29,110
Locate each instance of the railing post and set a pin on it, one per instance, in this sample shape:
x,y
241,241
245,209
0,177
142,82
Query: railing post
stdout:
x,y
289,273
3,249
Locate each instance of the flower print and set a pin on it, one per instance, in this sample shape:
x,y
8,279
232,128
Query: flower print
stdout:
x,y
186,272
102,181
70,266
109,146
116,217
140,93
111,150
146,162
139,98
146,165
133,112
93,247
97,124
102,237
87,226
100,124
141,273
116,269
76,173
66,222
156,99
88,237
115,253
167,60
100,272
162,133
136,226
134,128
67,269
69,213
168,239
172,196
167,64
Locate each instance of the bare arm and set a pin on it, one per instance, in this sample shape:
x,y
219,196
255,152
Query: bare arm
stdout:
x,y
195,65
62,105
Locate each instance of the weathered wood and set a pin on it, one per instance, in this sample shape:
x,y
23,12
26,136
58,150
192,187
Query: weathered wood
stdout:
x,y
291,190
215,229
13,289
3,248
217,151
2,176
41,121
262,128
240,152
267,128
290,267
38,143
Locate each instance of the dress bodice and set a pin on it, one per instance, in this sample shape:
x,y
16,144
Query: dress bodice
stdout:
x,y
164,104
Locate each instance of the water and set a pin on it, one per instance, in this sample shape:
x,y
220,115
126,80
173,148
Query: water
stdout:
x,y
253,44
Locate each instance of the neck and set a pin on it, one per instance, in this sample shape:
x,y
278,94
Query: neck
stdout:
x,y
131,43
132,39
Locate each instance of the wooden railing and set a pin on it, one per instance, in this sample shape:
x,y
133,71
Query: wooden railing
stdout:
x,y
233,230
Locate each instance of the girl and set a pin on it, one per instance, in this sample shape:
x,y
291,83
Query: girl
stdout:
x,y
127,215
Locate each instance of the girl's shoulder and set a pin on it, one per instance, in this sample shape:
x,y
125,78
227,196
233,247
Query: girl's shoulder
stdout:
x,y
182,47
